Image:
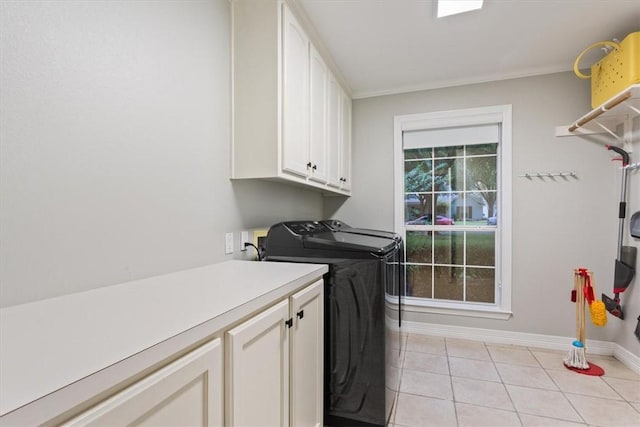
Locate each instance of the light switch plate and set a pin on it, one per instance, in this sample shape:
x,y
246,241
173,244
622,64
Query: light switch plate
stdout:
x,y
228,243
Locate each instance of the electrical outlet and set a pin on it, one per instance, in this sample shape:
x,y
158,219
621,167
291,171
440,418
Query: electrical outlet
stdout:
x,y
244,238
228,243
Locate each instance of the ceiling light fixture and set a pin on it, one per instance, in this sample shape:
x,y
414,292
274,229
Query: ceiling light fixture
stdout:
x,y
453,7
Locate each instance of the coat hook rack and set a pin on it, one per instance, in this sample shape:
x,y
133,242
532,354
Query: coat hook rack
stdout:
x,y
530,175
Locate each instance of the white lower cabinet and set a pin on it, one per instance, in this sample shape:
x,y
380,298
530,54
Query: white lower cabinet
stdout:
x,y
234,343
307,356
275,363
258,370
270,374
187,392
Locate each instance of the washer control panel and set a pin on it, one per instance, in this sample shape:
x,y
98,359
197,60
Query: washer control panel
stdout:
x,y
304,228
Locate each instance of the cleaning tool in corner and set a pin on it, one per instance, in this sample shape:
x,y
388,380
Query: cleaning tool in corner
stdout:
x,y
576,359
626,255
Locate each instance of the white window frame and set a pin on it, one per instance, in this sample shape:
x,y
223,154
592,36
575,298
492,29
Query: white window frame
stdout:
x,y
498,114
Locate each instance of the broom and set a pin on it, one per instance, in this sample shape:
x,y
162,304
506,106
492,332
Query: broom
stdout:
x,y
576,357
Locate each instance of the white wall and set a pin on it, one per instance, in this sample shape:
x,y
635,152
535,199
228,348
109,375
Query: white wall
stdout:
x,y
115,145
114,162
558,224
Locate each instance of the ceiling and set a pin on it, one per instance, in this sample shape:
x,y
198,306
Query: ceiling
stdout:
x,y
393,46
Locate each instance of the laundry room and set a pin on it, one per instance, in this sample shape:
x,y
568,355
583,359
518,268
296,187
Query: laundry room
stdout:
x,y
317,212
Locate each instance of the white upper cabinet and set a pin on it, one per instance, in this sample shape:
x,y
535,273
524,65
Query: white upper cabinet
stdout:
x,y
339,131
295,104
318,115
282,117
334,134
345,143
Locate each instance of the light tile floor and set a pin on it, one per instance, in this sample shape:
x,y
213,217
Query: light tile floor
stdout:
x,y
450,382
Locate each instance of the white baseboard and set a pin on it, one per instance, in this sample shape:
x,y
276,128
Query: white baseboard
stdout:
x,y
629,359
551,342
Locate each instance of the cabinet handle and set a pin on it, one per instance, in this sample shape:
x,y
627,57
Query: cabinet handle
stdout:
x,y
308,165
314,167
300,314
289,323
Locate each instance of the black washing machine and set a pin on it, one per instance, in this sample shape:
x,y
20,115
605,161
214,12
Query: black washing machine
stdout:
x,y
365,278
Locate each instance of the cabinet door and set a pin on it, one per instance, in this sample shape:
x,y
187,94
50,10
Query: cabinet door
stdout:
x,y
187,392
258,370
295,102
307,356
318,117
334,104
345,149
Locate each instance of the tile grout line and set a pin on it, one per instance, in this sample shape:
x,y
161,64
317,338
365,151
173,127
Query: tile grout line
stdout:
x,y
546,371
504,385
539,362
404,359
614,390
403,350
453,391
601,379
568,400
559,389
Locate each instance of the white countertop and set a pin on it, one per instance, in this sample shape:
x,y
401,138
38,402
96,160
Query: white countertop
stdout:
x,y
51,344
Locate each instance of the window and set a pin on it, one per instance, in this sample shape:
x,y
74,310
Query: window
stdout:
x,y
453,207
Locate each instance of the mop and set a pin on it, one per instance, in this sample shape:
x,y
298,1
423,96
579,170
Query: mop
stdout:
x,y
576,359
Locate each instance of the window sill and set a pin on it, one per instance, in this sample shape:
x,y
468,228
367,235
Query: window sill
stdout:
x,y
416,305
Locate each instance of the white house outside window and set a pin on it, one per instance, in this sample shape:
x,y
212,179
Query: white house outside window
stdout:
x,y
453,207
